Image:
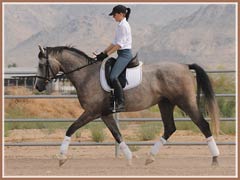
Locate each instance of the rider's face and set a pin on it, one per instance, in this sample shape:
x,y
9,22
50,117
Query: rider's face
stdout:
x,y
118,17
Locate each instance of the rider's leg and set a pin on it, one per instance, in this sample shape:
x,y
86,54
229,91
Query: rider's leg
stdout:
x,y
124,57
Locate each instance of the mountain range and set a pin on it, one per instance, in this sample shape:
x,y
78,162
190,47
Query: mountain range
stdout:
x,y
185,33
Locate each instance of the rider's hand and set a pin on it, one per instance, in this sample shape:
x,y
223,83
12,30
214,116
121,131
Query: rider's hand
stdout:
x,y
101,56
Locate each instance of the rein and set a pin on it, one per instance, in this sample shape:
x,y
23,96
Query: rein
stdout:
x,y
55,77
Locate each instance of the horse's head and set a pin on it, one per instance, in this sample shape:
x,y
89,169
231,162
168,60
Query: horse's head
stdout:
x,y
48,67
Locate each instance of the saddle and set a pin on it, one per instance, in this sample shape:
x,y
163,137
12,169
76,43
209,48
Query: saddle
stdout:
x,y
122,78
129,78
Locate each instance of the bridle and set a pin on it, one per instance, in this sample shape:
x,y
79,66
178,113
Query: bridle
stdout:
x,y
49,68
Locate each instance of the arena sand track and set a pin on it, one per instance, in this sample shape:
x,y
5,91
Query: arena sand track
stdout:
x,y
100,161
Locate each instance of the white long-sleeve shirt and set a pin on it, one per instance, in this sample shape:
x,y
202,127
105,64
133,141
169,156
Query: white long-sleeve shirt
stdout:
x,y
123,35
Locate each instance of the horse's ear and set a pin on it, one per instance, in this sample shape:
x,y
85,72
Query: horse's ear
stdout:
x,y
41,49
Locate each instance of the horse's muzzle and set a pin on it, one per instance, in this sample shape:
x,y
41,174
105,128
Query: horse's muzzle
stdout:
x,y
40,86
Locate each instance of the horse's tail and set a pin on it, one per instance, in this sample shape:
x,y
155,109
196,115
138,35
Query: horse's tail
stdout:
x,y
204,84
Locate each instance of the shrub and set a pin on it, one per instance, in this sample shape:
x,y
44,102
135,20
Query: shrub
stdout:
x,y
78,134
97,131
187,126
148,131
228,128
134,148
227,107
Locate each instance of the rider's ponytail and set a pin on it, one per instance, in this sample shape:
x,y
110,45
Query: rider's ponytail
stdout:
x,y
128,13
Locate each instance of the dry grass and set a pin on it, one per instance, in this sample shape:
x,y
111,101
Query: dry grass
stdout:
x,y
40,108
52,108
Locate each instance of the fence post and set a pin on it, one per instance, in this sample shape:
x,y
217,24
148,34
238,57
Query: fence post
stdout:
x,y
116,118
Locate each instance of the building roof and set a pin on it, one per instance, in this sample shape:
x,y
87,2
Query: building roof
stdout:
x,y
19,72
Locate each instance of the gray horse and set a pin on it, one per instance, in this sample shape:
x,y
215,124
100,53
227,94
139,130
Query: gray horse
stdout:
x,y
165,84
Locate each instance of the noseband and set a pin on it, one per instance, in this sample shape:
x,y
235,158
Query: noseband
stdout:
x,y
49,69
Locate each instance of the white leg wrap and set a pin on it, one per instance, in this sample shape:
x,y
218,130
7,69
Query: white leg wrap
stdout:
x,y
212,146
65,144
126,151
156,147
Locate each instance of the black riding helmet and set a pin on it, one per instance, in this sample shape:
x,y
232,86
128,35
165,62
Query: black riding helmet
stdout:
x,y
118,9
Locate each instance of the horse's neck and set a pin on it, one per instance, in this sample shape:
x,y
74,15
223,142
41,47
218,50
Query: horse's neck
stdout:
x,y
78,77
69,61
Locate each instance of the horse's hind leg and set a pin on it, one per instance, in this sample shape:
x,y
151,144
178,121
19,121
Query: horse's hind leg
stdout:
x,y
191,108
112,126
166,109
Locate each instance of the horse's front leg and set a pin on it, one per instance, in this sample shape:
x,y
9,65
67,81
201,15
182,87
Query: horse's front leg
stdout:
x,y
112,126
85,118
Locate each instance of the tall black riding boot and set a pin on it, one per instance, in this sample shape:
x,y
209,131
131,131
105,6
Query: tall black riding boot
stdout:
x,y
119,96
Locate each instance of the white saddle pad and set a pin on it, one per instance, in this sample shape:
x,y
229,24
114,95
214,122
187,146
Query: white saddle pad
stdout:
x,y
133,75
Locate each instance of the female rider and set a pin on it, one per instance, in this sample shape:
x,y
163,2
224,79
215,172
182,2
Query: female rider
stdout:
x,y
122,43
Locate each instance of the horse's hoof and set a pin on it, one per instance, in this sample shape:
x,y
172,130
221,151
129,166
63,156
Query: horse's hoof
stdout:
x,y
62,159
215,162
61,162
150,159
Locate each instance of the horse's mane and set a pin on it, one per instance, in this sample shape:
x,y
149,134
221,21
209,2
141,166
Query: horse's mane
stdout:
x,y
59,49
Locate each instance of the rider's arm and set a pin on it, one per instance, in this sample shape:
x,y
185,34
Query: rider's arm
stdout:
x,y
112,49
108,48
